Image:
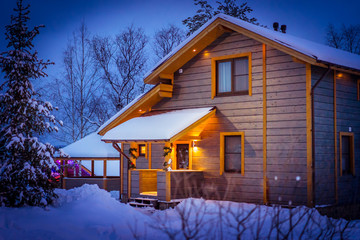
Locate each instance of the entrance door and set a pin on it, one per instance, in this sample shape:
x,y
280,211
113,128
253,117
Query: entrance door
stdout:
x,y
182,156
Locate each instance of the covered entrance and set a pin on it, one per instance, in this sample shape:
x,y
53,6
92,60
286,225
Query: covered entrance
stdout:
x,y
157,149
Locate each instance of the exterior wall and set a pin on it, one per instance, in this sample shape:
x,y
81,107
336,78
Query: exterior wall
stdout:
x,y
286,123
347,115
186,184
286,129
324,180
157,157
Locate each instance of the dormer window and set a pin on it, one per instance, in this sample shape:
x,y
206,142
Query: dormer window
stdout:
x,y
231,75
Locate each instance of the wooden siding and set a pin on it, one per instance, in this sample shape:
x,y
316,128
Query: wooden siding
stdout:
x,y
324,180
286,123
348,115
157,155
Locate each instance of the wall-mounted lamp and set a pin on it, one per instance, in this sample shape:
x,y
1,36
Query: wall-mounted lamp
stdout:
x,y
339,75
195,145
194,50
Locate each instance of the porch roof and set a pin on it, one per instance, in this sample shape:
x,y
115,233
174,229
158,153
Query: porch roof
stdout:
x,y
163,126
91,147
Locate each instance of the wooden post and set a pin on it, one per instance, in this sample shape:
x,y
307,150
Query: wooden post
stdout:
x,y
104,176
92,168
121,175
149,154
168,186
129,184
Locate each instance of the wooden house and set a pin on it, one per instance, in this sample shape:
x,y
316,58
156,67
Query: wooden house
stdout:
x,y
245,114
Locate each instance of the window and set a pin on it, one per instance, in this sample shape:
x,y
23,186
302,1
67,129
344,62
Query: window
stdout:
x,y
347,158
231,75
232,148
142,150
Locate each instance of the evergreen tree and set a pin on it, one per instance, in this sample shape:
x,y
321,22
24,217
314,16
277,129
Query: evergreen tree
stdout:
x,y
25,162
206,12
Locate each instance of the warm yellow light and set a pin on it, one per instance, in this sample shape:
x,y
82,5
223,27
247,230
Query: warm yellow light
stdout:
x,y
339,75
194,50
143,150
195,147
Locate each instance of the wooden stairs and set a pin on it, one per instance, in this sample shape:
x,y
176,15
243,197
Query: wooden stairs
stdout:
x,y
148,202
143,202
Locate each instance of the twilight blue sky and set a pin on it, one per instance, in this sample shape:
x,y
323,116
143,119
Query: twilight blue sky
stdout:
x,y
305,18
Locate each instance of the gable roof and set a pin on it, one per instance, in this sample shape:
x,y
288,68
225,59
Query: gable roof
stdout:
x,y
308,51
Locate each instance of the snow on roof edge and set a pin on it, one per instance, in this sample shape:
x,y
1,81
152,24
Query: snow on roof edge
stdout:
x,y
90,146
116,115
157,127
306,51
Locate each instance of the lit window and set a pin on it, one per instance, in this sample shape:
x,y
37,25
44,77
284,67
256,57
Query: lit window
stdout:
x,y
347,158
232,152
142,150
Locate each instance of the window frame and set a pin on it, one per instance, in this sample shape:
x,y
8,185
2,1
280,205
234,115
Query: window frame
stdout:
x,y
214,78
222,151
352,152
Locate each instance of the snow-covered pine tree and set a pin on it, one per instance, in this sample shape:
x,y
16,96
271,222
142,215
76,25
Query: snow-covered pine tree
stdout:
x,y
25,162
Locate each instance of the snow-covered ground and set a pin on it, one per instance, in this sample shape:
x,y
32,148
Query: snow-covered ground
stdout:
x,y
91,213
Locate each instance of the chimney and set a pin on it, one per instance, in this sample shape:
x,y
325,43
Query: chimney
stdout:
x,y
283,28
276,26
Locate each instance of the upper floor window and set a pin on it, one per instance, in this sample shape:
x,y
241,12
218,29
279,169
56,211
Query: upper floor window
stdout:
x,y
231,75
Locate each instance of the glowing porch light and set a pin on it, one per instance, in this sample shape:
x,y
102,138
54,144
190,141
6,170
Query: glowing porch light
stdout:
x,y
194,50
339,75
195,147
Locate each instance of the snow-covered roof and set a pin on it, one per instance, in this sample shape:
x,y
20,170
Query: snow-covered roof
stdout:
x,y
122,111
162,126
90,146
319,52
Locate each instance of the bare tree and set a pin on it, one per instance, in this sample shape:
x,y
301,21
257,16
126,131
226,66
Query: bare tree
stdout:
x,y
347,38
122,61
78,93
166,39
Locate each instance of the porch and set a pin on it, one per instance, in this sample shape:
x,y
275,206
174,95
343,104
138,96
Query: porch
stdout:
x,y
157,151
102,172
165,185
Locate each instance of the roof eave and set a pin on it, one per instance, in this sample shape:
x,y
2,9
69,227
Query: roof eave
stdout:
x,y
147,101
